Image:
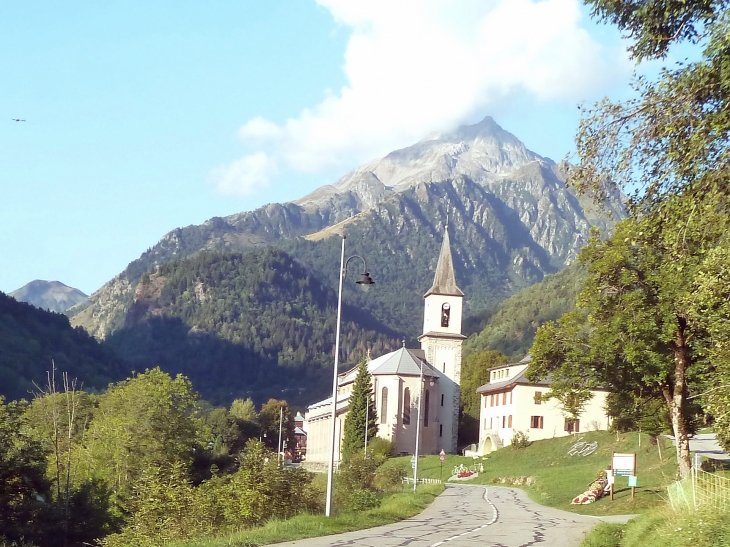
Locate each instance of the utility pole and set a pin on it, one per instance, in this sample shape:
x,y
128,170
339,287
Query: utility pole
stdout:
x,y
281,419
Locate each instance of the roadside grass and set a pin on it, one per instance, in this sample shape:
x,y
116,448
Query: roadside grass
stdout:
x,y
663,527
558,478
393,508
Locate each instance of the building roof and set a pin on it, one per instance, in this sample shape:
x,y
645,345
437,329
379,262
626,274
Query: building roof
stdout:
x,y
520,379
444,282
299,431
403,362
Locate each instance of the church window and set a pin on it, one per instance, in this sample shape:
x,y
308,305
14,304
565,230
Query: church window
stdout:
x,y
441,430
445,314
406,406
426,400
384,405
442,399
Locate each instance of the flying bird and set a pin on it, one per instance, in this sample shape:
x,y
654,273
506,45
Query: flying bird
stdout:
x,y
17,120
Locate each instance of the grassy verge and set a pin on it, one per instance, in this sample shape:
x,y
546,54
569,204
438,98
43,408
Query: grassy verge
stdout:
x,y
663,527
393,508
556,478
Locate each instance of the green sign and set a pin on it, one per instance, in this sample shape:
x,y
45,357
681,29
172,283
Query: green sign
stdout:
x,y
633,481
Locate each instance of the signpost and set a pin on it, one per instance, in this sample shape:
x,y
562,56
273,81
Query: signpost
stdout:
x,y
624,465
442,457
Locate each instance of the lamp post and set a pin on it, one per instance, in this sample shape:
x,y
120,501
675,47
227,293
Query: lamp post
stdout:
x,y
418,428
365,281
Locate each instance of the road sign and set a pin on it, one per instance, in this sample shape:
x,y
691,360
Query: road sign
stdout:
x,y
442,455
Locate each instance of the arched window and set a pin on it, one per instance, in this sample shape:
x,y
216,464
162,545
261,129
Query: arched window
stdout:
x,y
426,400
384,405
445,314
406,406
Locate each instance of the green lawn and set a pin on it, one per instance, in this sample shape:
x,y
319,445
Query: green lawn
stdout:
x,y
394,507
558,478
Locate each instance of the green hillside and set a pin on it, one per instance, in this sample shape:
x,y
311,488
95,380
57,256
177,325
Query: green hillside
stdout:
x,y
30,338
255,324
510,327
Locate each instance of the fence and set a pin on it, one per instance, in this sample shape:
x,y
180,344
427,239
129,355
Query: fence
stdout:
x,y
700,489
422,481
710,490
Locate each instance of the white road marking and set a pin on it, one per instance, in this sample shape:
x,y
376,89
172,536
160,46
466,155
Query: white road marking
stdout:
x,y
494,519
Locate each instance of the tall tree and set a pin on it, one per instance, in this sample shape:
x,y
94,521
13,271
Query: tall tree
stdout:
x,y
639,335
23,486
148,420
361,411
244,409
274,412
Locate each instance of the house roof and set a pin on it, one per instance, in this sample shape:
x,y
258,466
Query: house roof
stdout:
x,y
299,431
520,379
403,362
444,282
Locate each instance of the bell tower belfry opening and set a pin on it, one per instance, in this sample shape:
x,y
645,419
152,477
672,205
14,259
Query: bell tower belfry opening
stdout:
x,y
441,340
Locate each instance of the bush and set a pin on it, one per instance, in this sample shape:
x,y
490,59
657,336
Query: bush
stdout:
x,y
520,440
362,500
381,448
389,477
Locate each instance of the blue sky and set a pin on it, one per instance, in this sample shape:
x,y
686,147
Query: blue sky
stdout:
x,y
146,116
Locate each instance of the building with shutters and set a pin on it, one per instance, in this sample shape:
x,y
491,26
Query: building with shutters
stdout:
x,y
509,403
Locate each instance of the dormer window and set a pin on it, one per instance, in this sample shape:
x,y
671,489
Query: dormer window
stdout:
x,y
445,314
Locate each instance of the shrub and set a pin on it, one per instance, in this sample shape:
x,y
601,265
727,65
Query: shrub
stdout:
x,y
389,477
362,500
381,448
520,440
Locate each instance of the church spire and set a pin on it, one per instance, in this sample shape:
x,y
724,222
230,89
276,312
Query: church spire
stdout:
x,y
444,282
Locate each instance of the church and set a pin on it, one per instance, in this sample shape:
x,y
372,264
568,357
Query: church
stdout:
x,y
396,377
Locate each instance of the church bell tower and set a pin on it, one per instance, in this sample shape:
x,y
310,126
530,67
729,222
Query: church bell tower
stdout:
x,y
441,341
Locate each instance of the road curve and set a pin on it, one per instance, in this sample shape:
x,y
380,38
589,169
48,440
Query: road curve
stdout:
x,y
466,515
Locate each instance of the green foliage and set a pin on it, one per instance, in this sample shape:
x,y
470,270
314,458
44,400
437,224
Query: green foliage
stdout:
x,y
164,507
30,338
656,25
381,448
272,414
389,477
255,323
361,411
23,485
143,422
244,410
354,477
510,326
520,440
362,500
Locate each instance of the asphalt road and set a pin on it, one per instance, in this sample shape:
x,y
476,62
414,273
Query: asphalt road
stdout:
x,y
467,515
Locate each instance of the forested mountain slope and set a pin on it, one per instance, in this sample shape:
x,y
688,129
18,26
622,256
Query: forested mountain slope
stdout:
x,y
31,338
255,324
510,327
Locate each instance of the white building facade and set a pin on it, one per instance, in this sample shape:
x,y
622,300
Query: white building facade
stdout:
x,y
397,385
509,403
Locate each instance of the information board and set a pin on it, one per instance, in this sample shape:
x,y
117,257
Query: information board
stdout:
x,y
624,465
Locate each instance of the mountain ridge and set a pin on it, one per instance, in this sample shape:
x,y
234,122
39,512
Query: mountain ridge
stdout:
x,y
503,187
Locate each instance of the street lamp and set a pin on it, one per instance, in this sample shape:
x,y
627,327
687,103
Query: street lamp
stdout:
x,y
364,282
418,427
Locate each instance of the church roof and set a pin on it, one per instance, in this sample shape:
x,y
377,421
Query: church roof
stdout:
x,y
403,362
444,282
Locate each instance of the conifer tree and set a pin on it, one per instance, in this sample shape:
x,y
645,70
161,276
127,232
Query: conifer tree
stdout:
x,y
354,438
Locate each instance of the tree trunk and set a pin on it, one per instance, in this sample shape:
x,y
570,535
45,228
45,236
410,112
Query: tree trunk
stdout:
x,y
675,396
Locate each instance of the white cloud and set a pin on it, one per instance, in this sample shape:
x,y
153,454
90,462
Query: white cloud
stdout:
x,y
416,66
245,176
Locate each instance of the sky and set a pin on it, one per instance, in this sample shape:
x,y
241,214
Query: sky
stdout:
x,y
145,116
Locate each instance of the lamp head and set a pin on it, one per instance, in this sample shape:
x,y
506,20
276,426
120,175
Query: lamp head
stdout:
x,y
365,281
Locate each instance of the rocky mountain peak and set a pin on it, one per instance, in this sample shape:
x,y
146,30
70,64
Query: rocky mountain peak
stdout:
x,y
49,295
